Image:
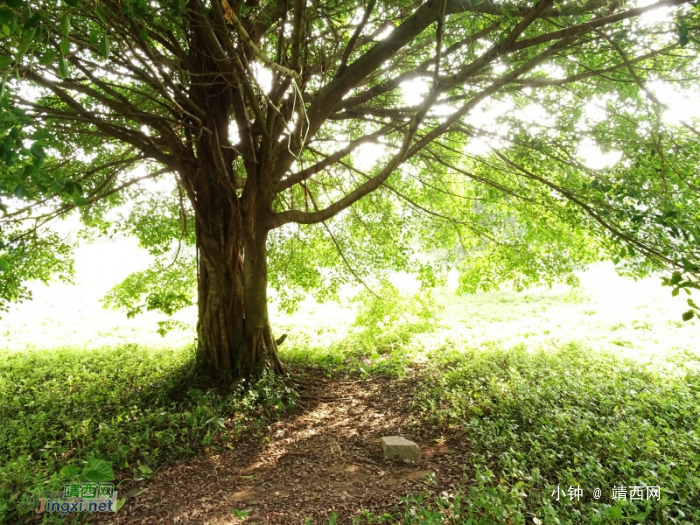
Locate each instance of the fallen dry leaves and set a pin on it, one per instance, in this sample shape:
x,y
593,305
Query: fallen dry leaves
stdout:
x,y
324,458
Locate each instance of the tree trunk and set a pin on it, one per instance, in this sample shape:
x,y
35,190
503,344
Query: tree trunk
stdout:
x,y
234,332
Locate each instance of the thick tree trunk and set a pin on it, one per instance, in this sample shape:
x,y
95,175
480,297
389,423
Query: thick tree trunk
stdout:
x,y
234,332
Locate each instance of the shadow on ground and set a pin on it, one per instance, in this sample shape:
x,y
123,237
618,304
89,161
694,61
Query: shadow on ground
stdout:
x,y
326,458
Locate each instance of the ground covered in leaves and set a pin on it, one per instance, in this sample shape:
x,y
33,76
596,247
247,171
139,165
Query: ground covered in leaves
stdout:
x,y
502,430
323,458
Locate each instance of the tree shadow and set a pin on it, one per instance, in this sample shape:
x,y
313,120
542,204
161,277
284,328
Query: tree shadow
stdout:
x,y
322,458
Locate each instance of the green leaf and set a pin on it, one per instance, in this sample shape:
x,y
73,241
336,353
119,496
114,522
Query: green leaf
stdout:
x,y
20,191
98,471
217,421
101,14
145,470
40,134
6,16
37,150
71,3
120,504
143,33
6,29
64,46
682,35
4,265
65,24
80,201
104,46
48,58
639,517
62,68
31,23
70,472
21,50
195,393
687,316
5,61
73,188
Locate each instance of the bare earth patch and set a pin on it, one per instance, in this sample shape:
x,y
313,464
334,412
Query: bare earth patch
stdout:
x,y
324,458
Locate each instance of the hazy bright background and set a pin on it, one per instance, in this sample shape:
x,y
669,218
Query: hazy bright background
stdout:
x,y
608,312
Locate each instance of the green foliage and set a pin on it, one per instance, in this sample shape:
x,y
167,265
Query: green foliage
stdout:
x,y
30,257
97,470
572,417
162,287
78,414
527,209
239,513
161,222
382,338
388,318
484,504
366,245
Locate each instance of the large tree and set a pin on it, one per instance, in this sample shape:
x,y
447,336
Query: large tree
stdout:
x,y
259,115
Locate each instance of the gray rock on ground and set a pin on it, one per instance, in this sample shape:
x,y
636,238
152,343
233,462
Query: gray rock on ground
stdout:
x,y
399,448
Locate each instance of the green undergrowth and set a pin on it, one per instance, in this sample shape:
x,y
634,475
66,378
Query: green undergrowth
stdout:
x,y
133,407
573,417
380,341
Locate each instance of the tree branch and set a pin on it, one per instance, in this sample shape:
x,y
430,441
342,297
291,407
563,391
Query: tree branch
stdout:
x,y
356,34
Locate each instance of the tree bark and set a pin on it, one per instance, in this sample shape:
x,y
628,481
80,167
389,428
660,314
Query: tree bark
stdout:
x,y
234,331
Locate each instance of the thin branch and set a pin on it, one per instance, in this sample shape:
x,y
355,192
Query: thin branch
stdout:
x,y
340,251
68,207
356,34
243,34
579,29
309,172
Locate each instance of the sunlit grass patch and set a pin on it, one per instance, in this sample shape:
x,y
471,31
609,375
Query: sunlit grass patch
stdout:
x,y
381,339
572,417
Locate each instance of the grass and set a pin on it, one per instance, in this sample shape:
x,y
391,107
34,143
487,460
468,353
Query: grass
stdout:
x,y
132,407
538,421
605,394
535,420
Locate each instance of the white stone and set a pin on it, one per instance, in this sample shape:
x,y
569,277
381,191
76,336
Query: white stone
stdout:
x,y
399,448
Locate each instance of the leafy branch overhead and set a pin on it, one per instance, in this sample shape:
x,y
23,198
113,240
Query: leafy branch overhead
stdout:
x,y
264,116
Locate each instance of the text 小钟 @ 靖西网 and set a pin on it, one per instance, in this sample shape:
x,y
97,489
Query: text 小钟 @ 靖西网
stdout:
x,y
618,493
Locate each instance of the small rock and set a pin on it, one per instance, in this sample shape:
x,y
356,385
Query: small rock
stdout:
x,y
399,448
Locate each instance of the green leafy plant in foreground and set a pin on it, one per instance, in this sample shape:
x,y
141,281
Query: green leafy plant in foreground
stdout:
x,y
77,415
572,417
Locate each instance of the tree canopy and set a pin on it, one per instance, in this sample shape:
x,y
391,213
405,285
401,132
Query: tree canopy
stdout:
x,y
302,144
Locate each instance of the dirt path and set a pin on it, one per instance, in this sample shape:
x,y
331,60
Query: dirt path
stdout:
x,y
324,458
